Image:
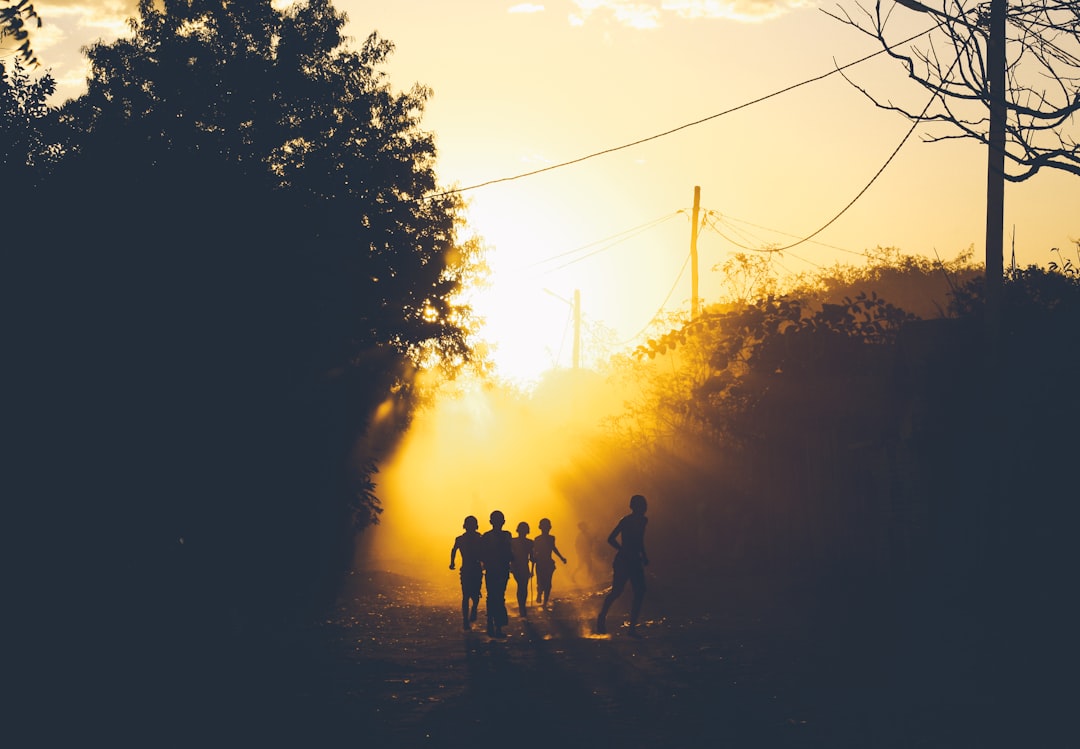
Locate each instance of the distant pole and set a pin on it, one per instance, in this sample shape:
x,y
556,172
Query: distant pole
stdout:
x,y
577,329
695,303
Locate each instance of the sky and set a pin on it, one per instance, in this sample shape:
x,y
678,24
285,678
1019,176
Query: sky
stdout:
x,y
524,86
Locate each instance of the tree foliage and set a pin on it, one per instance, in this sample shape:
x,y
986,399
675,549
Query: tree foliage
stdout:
x,y
736,355
13,17
26,148
277,98
826,442
235,275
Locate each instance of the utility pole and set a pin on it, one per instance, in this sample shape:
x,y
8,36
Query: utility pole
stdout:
x,y
695,304
995,170
577,328
995,521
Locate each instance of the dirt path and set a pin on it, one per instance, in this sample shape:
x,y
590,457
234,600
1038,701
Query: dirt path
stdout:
x,y
393,668
404,674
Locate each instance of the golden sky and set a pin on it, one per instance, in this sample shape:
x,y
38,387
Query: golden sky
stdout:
x,y
521,86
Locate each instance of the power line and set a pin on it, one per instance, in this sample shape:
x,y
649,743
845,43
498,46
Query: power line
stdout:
x,y
877,174
631,232
662,304
861,192
873,179
726,219
711,224
673,130
808,262
595,252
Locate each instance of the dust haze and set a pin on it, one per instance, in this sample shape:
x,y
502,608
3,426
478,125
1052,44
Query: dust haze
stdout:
x,y
481,447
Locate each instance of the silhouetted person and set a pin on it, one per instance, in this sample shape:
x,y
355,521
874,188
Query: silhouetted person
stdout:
x,y
472,570
588,548
496,555
628,538
543,547
522,548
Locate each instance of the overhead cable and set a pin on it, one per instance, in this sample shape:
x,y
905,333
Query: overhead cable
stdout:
x,y
619,236
673,130
918,120
728,219
608,246
663,304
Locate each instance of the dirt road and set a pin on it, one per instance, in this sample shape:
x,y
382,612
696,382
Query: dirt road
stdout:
x,y
393,668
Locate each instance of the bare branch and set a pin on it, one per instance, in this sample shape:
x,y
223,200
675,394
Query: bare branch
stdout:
x,y
1042,74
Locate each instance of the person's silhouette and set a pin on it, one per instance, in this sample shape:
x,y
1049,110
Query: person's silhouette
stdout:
x,y
543,547
472,570
522,548
586,546
496,555
629,564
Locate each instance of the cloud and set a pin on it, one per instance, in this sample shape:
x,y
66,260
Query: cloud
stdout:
x,y
733,10
650,15
632,14
94,13
526,8
67,26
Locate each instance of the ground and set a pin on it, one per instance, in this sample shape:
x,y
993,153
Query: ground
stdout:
x,y
742,665
392,667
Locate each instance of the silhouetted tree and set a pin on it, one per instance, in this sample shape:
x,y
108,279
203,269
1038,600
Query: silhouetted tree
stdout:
x,y
1042,75
26,151
231,270
13,17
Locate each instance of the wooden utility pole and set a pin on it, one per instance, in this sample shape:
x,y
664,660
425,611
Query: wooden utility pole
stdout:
x,y
994,522
995,170
695,304
577,329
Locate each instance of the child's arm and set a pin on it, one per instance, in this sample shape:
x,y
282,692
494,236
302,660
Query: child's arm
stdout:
x,y
613,537
557,552
453,552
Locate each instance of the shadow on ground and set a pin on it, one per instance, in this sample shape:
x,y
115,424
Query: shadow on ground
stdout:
x,y
391,667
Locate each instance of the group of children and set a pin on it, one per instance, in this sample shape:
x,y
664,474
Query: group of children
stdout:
x,y
492,557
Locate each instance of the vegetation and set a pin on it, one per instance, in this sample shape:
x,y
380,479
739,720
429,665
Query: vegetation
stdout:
x,y
13,17
228,273
822,439
225,276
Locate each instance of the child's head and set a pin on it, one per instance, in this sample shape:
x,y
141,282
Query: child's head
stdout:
x,y
545,525
523,528
471,523
638,504
497,519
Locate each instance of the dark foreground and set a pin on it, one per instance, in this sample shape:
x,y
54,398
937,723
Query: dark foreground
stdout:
x,y
393,668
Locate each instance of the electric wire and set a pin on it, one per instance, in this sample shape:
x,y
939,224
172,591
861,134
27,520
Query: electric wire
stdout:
x,y
619,236
672,131
659,309
744,235
609,246
712,225
808,262
740,245
783,267
917,121
727,219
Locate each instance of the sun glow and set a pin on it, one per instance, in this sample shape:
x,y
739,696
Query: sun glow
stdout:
x,y
526,312
469,454
479,448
